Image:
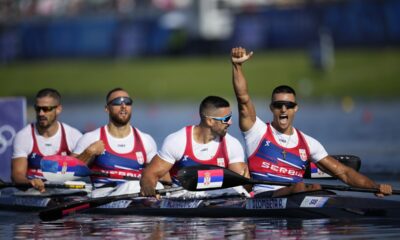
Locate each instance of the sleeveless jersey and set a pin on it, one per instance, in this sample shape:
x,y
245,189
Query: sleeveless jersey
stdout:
x,y
269,162
189,159
36,156
118,165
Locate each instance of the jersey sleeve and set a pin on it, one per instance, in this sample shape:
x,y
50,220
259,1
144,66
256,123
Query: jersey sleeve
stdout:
x,y
254,135
86,140
173,147
23,143
235,150
73,136
149,145
317,151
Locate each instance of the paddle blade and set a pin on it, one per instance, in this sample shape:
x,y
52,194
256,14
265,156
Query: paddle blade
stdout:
x,y
351,161
57,168
209,177
66,209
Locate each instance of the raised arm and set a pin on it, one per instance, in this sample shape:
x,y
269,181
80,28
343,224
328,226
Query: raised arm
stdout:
x,y
352,177
247,112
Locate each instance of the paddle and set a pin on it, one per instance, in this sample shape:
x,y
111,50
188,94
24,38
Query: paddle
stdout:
x,y
208,177
69,168
313,172
66,209
68,185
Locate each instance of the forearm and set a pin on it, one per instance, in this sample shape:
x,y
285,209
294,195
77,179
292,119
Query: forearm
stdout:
x,y
148,183
239,84
86,156
19,178
148,179
19,168
355,179
240,168
346,174
156,170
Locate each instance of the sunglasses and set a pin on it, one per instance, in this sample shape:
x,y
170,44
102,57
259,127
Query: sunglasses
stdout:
x,y
280,104
224,119
120,100
45,108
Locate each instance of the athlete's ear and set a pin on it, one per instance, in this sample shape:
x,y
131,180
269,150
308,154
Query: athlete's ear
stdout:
x,y
59,109
296,108
106,109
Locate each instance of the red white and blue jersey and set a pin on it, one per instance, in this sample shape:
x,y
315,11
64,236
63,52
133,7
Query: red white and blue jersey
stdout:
x,y
189,159
268,162
118,165
35,157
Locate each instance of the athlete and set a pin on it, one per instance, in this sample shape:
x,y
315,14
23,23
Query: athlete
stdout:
x,y
205,143
117,149
278,151
47,136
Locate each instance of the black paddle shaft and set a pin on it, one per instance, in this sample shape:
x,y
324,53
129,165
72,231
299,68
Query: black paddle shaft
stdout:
x,y
66,209
189,180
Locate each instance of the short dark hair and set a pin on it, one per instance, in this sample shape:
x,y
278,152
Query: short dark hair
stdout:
x,y
114,90
283,89
49,92
212,102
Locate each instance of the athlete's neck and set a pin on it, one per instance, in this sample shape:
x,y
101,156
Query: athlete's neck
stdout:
x,y
119,131
202,134
288,130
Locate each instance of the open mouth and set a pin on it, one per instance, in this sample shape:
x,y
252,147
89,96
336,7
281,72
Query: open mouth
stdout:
x,y
123,113
283,118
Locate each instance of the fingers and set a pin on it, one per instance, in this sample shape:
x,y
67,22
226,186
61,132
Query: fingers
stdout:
x,y
385,189
38,184
149,193
239,55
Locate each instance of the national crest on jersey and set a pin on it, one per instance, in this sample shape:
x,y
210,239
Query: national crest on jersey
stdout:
x,y
272,162
189,159
119,165
35,157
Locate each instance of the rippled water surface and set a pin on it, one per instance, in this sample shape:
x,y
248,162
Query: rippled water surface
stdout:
x,y
135,227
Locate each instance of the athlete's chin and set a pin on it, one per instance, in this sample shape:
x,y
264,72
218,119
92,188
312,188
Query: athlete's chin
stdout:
x,y
43,124
223,133
121,120
42,121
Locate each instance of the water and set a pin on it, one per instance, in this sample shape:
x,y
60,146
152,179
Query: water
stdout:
x,y
136,227
368,129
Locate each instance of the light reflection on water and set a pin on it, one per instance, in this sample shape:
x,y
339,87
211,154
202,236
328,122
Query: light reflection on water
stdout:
x,y
136,227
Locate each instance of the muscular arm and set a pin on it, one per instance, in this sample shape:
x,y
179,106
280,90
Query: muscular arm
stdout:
x,y
19,169
240,168
90,152
247,113
157,169
18,175
350,176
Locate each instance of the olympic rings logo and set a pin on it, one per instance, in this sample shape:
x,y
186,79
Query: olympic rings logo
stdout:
x,y
7,134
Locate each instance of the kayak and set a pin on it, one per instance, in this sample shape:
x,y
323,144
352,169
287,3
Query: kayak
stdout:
x,y
310,205
31,200
318,204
